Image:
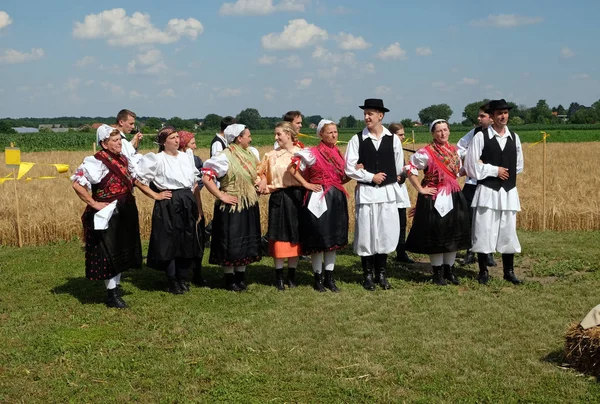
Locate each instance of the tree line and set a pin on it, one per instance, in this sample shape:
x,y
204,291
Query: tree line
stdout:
x,y
541,113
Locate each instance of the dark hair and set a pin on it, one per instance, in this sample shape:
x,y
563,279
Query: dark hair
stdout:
x,y
291,115
226,121
486,108
162,136
124,114
395,127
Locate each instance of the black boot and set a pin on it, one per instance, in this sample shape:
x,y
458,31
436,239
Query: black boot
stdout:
x,y
380,261
402,256
240,280
279,279
318,286
174,286
330,282
120,290
367,265
230,283
484,275
449,274
490,260
197,279
114,300
509,272
469,258
291,278
438,275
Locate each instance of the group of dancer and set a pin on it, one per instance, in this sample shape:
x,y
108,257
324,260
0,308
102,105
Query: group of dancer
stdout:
x,y
308,207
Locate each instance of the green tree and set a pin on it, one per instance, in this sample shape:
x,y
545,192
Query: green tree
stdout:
x,y
343,123
250,117
6,127
177,122
152,124
407,123
351,121
471,111
312,119
573,107
212,121
433,112
515,121
585,115
541,113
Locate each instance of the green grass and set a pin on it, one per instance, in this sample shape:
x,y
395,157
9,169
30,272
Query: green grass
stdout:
x,y
416,342
35,142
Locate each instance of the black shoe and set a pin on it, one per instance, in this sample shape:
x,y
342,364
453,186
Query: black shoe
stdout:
x,y
198,280
120,290
469,258
484,277
490,260
240,280
183,285
509,275
330,282
404,258
382,280
230,283
279,279
509,272
368,282
449,274
114,300
318,286
438,275
291,278
174,286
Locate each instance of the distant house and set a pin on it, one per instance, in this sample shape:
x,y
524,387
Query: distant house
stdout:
x,y
312,126
50,126
96,125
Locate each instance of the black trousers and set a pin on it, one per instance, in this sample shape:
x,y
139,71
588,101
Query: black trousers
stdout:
x,y
400,247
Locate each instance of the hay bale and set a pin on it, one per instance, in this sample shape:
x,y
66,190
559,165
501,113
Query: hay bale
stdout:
x,y
582,349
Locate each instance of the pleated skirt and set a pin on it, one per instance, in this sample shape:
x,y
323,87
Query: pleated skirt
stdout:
x,y
328,232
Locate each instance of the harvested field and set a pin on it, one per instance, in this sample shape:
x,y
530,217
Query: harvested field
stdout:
x,y
50,210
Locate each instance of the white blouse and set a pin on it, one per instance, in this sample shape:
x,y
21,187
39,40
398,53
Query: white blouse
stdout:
x,y
168,172
220,165
92,171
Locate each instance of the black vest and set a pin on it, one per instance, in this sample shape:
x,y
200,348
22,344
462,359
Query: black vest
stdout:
x,y
494,155
215,140
378,161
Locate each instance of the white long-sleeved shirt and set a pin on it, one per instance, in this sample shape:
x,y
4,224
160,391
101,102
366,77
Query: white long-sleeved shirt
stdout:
x,y
365,194
463,145
168,172
484,196
217,147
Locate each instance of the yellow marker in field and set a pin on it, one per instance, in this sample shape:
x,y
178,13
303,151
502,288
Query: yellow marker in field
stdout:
x,y
13,157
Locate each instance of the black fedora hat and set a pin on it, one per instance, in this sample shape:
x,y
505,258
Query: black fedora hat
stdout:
x,y
374,103
498,105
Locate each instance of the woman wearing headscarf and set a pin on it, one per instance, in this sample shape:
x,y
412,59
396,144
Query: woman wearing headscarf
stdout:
x,y
235,240
441,222
173,241
187,141
284,203
110,220
324,217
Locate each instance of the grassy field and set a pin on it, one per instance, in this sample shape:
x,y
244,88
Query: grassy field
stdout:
x,y
414,343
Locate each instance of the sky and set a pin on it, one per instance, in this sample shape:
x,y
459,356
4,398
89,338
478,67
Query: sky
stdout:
x,y
190,58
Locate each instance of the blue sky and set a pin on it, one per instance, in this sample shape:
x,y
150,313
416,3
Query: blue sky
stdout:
x,y
190,58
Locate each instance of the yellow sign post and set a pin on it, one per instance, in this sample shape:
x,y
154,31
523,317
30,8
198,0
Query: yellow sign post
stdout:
x,y
13,160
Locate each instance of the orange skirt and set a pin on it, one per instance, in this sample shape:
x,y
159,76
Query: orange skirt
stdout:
x,y
284,249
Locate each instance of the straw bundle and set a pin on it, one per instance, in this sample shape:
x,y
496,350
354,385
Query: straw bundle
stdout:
x,y
582,349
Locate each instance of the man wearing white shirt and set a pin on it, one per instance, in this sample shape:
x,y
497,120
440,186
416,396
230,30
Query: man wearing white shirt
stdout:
x,y
125,122
470,186
377,226
495,158
219,142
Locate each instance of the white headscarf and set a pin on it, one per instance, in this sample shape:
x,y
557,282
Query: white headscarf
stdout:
x,y
434,122
233,131
322,123
103,132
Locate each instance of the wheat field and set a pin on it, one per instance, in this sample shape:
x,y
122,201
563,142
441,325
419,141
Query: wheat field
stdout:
x,y
50,211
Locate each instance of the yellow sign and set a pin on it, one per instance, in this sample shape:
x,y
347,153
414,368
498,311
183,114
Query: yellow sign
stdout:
x,y
13,157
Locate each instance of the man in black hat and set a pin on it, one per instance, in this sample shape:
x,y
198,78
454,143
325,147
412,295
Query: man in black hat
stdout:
x,y
495,158
377,225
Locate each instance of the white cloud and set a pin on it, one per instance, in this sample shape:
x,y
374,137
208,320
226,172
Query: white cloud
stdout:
x,y
113,69
120,30
169,92
424,51
72,84
469,81
394,51
151,57
150,62
581,76
267,60
114,89
5,20
350,42
328,72
303,83
261,7
331,58
566,53
297,34
269,93
85,61
135,94
369,68
12,56
292,62
506,21
380,91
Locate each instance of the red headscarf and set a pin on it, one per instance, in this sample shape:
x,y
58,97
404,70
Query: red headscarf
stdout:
x,y
184,138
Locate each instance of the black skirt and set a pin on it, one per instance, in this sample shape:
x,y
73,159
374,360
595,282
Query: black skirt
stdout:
x,y
328,232
433,234
235,239
284,208
174,229
116,249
